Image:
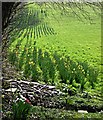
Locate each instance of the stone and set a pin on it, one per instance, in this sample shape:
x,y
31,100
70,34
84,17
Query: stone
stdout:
x,y
11,90
82,111
51,87
101,112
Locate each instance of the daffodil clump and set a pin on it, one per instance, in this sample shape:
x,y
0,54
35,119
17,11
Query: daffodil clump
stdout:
x,y
41,65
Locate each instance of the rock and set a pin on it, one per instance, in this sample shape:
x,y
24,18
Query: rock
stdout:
x,y
24,82
10,80
101,112
54,92
11,90
37,93
51,87
82,111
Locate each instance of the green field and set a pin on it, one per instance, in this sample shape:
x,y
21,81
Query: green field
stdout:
x,y
53,46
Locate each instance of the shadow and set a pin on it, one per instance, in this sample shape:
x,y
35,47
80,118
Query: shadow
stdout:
x,y
33,19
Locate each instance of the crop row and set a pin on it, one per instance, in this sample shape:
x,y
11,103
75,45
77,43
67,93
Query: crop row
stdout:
x,y
27,20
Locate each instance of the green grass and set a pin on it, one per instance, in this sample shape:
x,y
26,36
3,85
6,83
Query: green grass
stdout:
x,y
41,113
43,40
55,114
81,40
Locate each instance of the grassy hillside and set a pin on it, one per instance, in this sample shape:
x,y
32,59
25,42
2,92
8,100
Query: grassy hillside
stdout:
x,y
53,46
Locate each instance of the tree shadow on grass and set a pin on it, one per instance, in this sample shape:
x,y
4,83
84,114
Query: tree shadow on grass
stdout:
x,y
30,19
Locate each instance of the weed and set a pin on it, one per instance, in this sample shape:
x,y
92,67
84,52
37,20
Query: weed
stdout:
x,y
20,110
